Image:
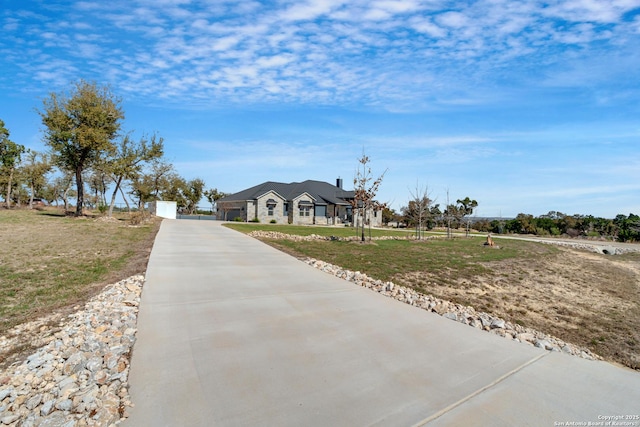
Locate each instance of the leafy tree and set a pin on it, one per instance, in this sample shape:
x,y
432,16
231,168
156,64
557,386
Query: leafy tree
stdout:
x,y
522,224
435,215
454,216
465,209
61,189
174,190
10,156
149,185
193,193
213,195
97,183
628,228
129,159
389,215
80,128
34,173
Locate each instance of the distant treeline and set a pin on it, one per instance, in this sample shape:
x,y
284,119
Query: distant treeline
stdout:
x,y
622,228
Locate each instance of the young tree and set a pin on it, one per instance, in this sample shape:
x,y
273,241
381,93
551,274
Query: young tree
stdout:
x,y
366,188
10,154
418,210
80,128
129,160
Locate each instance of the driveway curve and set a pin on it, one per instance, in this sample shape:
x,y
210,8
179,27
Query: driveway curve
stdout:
x,y
232,332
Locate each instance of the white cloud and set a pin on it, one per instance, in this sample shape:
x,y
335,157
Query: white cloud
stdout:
x,y
396,54
590,10
453,20
309,10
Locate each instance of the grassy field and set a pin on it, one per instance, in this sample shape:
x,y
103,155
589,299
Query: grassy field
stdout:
x,y
588,299
49,261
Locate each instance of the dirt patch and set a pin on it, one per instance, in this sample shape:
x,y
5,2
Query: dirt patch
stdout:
x,y
587,299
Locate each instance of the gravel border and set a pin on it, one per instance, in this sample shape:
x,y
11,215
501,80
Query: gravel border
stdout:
x,y
78,377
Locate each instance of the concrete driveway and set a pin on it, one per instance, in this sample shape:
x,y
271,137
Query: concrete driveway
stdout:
x,y
235,333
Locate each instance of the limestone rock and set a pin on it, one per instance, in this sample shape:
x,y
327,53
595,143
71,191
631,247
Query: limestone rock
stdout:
x,y
79,376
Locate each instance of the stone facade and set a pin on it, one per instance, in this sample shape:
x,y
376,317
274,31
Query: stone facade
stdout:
x,y
301,210
271,206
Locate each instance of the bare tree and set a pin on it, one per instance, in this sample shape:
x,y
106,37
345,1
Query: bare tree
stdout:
x,y
418,210
447,213
366,188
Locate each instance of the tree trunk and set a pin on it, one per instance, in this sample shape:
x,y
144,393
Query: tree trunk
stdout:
x,y
9,189
126,202
31,196
80,188
104,190
65,199
113,196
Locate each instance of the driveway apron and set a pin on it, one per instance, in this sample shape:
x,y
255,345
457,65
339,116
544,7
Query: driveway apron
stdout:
x,y
232,332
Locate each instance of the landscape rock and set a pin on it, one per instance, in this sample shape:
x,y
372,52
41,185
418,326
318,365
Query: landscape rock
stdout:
x,y
78,377
497,324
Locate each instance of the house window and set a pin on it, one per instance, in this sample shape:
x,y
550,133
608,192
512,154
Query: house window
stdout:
x,y
304,210
271,204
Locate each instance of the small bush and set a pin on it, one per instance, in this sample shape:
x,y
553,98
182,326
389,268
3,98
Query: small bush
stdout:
x,y
137,218
273,221
238,219
255,220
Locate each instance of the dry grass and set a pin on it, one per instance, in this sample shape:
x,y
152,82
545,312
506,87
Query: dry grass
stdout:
x,y
51,262
587,299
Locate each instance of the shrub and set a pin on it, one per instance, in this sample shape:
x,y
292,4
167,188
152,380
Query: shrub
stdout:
x,y
273,221
255,220
238,219
137,218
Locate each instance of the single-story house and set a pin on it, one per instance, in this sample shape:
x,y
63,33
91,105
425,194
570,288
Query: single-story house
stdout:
x,y
307,202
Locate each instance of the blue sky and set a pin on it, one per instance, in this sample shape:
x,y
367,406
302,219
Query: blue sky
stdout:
x,y
525,106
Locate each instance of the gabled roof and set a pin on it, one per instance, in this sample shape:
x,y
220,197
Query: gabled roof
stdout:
x,y
322,192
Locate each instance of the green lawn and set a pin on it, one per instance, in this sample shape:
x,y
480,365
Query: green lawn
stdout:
x,y
303,230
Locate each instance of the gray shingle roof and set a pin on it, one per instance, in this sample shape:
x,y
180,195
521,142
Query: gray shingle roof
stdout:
x,y
322,192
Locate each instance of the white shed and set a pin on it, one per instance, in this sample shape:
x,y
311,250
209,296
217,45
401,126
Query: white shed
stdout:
x,y
163,209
